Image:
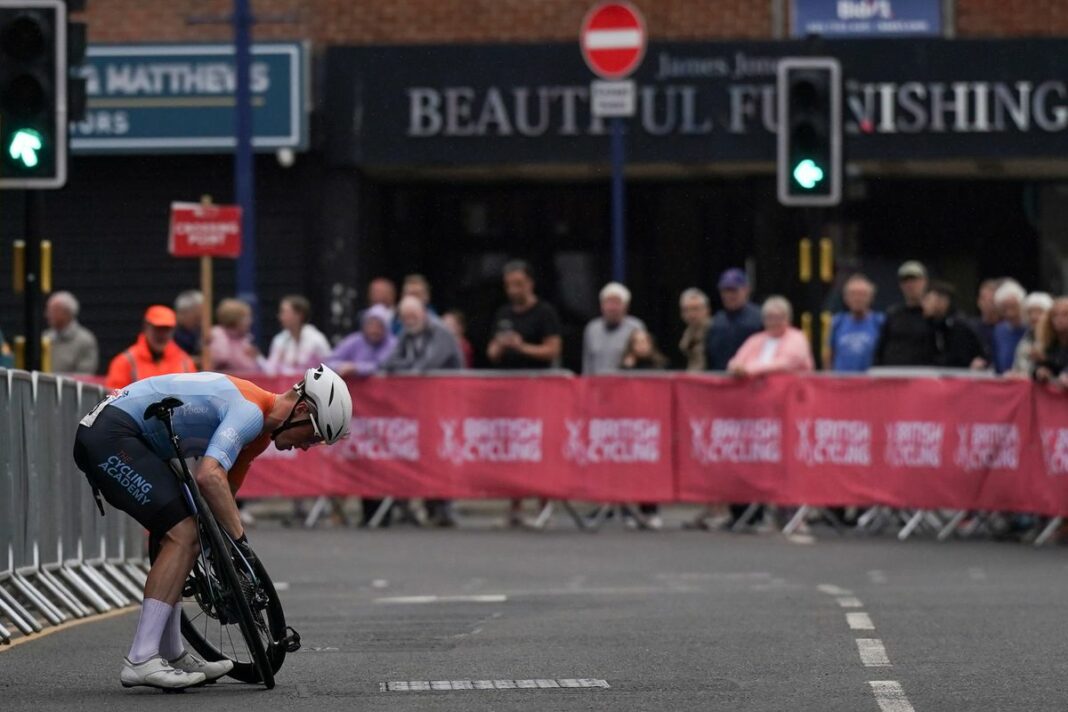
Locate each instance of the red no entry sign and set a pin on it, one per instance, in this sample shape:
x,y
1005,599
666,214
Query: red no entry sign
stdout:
x,y
613,39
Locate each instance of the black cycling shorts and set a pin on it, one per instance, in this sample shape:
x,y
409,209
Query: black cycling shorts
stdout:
x,y
119,463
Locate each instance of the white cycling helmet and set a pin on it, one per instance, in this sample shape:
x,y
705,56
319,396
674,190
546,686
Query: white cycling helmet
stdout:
x,y
330,399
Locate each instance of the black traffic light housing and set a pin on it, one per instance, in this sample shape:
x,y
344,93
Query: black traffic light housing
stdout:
x,y
810,131
33,94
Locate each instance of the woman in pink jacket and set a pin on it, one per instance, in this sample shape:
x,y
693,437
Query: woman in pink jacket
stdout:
x,y
778,348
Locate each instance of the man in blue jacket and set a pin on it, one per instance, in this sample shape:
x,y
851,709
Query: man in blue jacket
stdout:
x,y
731,326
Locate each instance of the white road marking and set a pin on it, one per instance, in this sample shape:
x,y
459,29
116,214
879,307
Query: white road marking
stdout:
x,y
877,576
281,586
859,621
457,685
613,39
380,583
890,696
872,652
803,539
833,590
850,602
488,598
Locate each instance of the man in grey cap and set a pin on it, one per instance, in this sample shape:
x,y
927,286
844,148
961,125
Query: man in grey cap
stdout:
x,y
906,338
731,326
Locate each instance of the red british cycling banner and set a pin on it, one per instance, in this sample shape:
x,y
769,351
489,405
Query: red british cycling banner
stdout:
x,y
730,439
618,445
923,443
1051,473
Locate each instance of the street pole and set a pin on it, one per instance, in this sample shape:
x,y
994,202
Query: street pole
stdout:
x,y
244,178
619,236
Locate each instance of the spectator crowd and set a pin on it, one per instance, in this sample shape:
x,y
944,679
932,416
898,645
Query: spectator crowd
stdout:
x,y
1016,334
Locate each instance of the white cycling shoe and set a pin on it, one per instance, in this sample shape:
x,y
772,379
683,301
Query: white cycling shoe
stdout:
x,y
187,662
157,672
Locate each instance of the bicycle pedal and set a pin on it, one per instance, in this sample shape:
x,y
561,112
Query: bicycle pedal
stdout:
x,y
290,642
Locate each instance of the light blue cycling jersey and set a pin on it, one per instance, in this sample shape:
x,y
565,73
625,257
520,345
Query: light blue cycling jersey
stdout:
x,y
216,419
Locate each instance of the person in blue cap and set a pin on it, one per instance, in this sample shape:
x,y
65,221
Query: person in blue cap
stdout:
x,y
734,323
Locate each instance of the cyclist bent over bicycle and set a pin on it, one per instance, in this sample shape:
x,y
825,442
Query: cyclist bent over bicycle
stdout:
x,y
227,421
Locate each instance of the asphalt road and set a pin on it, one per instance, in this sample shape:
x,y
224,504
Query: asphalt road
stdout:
x,y
673,620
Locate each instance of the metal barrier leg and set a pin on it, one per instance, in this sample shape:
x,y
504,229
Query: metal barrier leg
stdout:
x,y
381,512
316,512
63,594
104,586
914,521
951,525
797,520
747,517
84,589
868,520
127,586
18,615
632,510
137,575
39,601
5,636
546,513
574,514
1049,530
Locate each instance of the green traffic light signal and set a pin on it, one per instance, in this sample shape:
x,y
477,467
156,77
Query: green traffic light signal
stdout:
x,y
24,147
808,174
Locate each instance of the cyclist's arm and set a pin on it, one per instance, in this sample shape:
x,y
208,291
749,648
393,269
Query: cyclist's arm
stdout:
x,y
244,460
212,480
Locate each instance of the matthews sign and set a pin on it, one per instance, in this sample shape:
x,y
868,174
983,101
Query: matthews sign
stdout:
x,y
697,102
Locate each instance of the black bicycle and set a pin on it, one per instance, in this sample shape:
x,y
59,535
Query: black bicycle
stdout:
x,y
238,615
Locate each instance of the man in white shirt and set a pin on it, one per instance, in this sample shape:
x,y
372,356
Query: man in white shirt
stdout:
x,y
605,338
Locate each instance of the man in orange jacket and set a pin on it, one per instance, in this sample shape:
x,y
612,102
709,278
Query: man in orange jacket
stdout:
x,y
154,353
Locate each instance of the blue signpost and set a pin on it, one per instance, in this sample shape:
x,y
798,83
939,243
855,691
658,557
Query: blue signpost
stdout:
x,y
244,179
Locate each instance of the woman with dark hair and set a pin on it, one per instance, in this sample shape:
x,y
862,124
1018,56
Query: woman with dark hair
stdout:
x,y
641,354
299,345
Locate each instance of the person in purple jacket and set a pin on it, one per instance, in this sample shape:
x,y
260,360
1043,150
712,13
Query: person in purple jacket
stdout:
x,y
365,351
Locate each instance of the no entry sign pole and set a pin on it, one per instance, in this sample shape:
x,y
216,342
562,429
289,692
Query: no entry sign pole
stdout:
x,y
612,41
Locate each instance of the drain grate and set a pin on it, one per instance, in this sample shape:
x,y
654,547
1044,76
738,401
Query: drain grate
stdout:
x,y
444,685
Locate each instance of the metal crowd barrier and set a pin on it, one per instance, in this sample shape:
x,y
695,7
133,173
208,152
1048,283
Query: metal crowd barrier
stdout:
x,y
59,559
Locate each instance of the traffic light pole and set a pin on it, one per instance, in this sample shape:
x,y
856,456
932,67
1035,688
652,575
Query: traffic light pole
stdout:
x,y
31,281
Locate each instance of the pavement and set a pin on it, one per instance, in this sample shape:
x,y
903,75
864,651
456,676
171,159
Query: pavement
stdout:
x,y
617,620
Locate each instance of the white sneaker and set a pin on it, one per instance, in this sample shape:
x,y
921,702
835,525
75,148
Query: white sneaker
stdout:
x,y
192,664
157,672
654,522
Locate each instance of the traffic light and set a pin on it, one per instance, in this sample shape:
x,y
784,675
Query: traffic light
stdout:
x,y
810,131
33,94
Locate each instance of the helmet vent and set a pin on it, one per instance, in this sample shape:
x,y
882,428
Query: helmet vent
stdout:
x,y
331,398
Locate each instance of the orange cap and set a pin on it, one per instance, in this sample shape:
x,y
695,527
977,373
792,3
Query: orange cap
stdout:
x,y
159,315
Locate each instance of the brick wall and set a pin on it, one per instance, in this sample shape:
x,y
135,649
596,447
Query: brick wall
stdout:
x,y
396,21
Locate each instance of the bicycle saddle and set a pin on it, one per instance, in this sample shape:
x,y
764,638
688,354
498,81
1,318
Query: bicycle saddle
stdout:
x,y
162,408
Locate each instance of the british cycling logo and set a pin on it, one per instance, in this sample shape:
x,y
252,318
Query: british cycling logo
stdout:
x,y
914,443
825,441
988,446
380,439
127,478
615,440
490,440
1055,450
739,440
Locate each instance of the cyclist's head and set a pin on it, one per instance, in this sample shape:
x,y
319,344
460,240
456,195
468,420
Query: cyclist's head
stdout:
x,y
329,401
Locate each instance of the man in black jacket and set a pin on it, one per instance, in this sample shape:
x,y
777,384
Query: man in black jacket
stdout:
x,y
906,338
955,343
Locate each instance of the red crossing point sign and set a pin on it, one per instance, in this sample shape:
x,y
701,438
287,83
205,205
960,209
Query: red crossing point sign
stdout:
x,y
613,39
205,230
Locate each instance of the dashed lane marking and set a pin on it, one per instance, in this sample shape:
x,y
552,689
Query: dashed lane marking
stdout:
x,y
890,696
474,685
872,652
833,590
850,602
486,598
859,621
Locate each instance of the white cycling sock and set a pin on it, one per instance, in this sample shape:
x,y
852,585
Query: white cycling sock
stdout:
x,y
154,617
171,646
